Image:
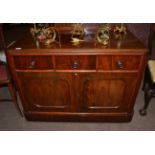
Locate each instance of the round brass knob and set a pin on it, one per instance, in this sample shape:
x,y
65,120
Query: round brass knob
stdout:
x,y
76,64
120,64
32,64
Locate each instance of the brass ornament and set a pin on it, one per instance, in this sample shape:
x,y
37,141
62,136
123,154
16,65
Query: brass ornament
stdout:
x,y
77,34
103,34
121,30
119,34
45,35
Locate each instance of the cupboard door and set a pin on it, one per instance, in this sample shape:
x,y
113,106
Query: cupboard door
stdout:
x,y
106,92
46,91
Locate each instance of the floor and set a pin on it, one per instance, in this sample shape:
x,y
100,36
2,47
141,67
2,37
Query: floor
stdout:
x,y
10,120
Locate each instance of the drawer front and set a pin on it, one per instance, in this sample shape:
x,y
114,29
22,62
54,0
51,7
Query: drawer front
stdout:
x,y
104,62
126,62
33,62
75,62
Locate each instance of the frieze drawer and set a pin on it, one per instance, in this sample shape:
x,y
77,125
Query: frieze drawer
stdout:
x,y
33,62
127,62
75,62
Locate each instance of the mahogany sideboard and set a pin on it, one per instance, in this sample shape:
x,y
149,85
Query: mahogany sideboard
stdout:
x,y
85,82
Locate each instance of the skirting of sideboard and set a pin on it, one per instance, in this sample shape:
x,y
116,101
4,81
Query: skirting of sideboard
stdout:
x,y
78,117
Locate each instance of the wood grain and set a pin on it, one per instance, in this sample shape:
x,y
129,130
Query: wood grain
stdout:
x,y
87,82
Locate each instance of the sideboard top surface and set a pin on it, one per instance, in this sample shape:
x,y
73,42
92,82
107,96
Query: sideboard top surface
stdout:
x,y
128,42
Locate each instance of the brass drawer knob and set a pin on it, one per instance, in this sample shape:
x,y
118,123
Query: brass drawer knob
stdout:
x,y
32,64
120,64
76,64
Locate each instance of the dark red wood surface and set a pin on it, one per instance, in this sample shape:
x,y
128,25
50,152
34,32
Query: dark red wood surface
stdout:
x,y
86,82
